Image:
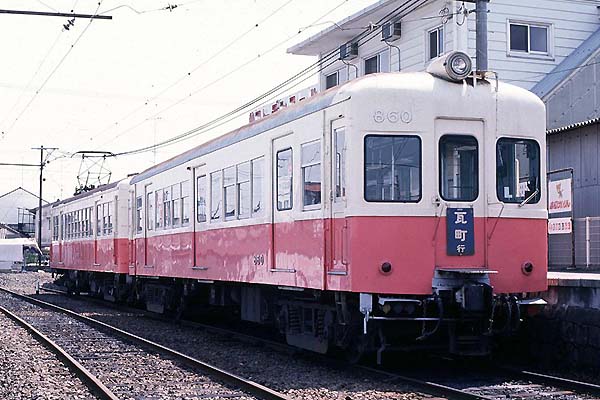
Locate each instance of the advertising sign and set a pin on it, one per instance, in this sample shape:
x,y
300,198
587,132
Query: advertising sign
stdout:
x,y
460,234
559,196
559,225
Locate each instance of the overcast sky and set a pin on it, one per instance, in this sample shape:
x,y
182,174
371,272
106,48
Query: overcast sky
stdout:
x,y
102,95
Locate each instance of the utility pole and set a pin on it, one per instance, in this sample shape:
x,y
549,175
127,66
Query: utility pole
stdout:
x,y
481,38
39,222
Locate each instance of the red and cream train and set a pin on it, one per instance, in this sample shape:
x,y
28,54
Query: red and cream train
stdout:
x,y
396,210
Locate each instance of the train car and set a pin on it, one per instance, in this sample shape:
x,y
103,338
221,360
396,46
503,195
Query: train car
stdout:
x,y
90,242
398,210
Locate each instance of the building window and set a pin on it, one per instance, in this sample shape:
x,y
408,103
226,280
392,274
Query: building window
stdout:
x,y
216,193
284,180
529,38
436,42
459,176
372,65
257,186
201,198
243,190
332,80
392,168
311,174
517,170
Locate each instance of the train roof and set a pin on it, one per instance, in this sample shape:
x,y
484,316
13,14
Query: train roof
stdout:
x,y
316,103
101,188
281,117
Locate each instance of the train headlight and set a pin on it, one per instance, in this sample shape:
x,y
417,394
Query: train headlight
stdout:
x,y
453,66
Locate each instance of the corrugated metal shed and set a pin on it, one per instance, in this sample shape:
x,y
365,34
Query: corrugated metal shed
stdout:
x,y
571,91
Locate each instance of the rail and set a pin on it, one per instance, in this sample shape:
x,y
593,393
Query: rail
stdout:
x,y
246,385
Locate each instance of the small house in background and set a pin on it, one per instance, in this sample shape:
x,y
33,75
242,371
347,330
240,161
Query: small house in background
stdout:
x,y
13,253
16,212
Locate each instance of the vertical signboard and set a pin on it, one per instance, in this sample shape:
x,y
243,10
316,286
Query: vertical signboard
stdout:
x,y
559,196
460,232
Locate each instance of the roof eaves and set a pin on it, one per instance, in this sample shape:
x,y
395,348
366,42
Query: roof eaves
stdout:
x,y
297,48
586,50
571,127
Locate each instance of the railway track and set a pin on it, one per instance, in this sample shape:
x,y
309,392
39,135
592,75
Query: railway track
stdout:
x,y
499,383
116,364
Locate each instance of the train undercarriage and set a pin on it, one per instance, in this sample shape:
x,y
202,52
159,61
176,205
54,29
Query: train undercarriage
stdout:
x,y
460,317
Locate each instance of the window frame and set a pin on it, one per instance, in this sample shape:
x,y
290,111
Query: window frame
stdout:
x,y
547,55
303,166
261,211
440,43
291,207
537,198
337,79
197,198
439,148
221,215
364,188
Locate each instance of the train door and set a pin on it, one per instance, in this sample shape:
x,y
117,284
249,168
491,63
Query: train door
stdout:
x,y
148,205
199,216
97,230
61,238
461,198
139,234
338,243
284,255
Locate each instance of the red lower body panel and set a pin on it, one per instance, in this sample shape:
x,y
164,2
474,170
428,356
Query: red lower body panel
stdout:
x,y
346,254
103,255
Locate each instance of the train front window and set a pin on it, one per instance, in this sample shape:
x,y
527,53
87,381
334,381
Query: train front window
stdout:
x,y
392,168
517,170
459,172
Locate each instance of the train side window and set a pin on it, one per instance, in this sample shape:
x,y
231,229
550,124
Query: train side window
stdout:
x,y
159,209
99,220
459,171
167,207
110,213
201,198
105,219
185,203
150,210
284,180
311,174
392,168
340,164
517,170
138,214
216,193
229,189
176,204
257,186
243,190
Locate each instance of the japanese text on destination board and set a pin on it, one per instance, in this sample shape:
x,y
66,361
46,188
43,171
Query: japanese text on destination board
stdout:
x,y
460,235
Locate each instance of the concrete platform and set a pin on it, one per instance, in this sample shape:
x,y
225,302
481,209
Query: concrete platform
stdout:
x,y
574,279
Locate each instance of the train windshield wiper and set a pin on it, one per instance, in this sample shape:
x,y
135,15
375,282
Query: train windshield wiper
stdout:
x,y
531,196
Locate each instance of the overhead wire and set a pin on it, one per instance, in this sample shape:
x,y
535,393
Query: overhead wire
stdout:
x,y
210,124
62,60
191,71
236,69
37,71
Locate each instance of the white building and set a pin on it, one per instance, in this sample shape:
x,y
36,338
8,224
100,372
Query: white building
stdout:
x,y
526,39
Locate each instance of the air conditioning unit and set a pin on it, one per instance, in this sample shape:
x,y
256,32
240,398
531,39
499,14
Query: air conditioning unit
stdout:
x,y
349,51
391,31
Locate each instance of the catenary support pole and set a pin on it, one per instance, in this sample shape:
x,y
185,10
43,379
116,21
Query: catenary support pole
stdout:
x,y
481,38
